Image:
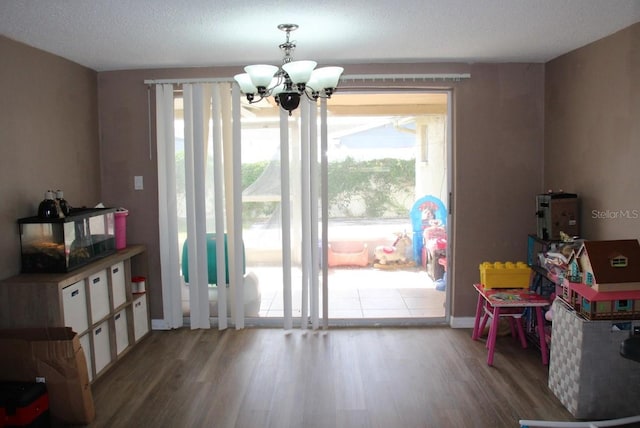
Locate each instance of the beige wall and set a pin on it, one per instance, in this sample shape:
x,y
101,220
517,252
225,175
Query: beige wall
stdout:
x,y
592,132
498,129
48,138
498,133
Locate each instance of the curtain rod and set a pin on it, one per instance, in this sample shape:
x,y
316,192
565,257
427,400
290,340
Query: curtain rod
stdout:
x,y
186,81
406,77
363,77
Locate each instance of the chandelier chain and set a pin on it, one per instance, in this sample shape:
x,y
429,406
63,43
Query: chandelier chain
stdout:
x,y
288,46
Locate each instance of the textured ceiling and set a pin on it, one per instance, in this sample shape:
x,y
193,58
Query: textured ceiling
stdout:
x,y
132,34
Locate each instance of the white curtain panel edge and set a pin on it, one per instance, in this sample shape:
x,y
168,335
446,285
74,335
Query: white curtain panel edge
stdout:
x,y
194,147
169,272
219,124
236,247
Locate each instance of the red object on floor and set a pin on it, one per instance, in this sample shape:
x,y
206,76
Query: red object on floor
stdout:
x,y
24,404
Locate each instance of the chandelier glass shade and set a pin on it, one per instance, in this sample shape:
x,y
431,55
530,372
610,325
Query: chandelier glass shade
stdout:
x,y
286,84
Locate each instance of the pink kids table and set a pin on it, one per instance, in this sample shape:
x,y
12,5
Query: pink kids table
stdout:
x,y
508,302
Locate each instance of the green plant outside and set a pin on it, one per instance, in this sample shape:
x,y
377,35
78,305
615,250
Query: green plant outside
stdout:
x,y
372,182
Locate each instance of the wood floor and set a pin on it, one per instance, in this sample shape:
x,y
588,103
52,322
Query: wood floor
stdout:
x,y
373,377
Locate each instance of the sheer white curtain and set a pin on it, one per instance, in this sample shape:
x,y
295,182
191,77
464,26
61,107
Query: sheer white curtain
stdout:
x,y
206,110
214,108
307,206
197,111
168,207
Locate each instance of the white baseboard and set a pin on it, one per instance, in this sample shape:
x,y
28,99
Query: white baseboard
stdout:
x,y
454,322
159,325
461,322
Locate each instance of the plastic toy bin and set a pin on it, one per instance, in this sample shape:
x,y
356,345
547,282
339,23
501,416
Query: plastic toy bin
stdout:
x,y
505,274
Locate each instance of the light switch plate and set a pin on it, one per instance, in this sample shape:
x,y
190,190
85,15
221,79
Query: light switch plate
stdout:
x,y
138,183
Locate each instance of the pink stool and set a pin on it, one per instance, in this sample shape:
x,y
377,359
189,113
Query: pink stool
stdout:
x,y
515,323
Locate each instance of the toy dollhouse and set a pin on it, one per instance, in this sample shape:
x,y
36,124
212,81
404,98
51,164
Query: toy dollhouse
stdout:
x,y
603,280
607,265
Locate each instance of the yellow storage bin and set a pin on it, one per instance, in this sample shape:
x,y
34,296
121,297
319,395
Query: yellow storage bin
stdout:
x,y
505,274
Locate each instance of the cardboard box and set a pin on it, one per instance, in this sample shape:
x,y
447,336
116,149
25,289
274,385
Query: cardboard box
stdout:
x,y
54,354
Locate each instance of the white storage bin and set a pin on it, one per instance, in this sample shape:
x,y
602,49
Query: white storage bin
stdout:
x,y
122,333
140,323
85,342
118,289
74,306
99,292
101,346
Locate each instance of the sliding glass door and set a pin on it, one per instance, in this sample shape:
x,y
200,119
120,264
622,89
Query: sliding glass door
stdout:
x,y
386,153
382,195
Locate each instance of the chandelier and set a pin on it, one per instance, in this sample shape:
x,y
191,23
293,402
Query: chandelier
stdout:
x,y
286,84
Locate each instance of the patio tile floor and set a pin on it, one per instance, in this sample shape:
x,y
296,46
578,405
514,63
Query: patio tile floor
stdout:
x,y
360,293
